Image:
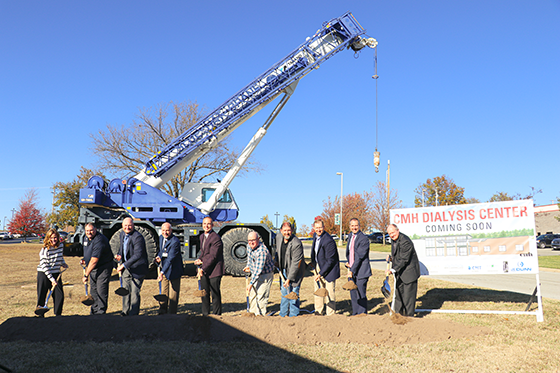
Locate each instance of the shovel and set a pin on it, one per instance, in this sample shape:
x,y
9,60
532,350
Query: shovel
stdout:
x,y
40,311
86,300
160,297
121,291
350,285
246,292
291,295
386,288
321,291
200,292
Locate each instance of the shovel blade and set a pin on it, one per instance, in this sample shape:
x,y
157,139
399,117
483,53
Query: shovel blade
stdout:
x,y
121,291
386,289
87,300
160,297
40,311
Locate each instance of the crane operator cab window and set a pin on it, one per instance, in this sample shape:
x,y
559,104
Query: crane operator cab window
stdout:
x,y
207,193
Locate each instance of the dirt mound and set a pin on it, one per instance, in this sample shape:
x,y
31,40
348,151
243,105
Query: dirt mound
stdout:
x,y
370,329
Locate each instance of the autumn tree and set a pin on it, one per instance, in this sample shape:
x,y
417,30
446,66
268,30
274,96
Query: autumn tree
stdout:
x,y
124,150
381,203
439,191
266,220
292,221
303,231
504,196
355,205
66,199
501,196
28,219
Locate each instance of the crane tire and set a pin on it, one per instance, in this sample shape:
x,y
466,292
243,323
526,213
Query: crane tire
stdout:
x,y
235,251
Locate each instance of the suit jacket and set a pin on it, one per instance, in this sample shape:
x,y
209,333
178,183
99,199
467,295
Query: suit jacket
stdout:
x,y
137,258
212,254
405,260
361,267
171,259
293,257
326,257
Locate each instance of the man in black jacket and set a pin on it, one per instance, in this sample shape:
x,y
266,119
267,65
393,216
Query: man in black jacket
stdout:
x,y
98,259
406,268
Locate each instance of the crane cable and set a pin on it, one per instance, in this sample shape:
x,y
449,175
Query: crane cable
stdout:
x,y
376,153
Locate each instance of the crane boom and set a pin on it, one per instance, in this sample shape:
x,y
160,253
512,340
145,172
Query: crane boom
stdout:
x,y
334,36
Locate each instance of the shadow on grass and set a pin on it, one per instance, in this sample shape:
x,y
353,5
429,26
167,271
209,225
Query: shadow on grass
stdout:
x,y
436,298
208,345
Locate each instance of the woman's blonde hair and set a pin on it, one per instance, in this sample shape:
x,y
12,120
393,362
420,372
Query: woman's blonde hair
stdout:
x,y
50,233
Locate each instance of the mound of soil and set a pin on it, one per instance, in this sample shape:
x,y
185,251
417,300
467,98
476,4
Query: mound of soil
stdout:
x,y
307,329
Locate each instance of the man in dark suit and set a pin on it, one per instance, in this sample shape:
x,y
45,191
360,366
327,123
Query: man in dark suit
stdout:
x,y
98,259
133,265
210,264
406,268
171,262
325,261
359,269
289,259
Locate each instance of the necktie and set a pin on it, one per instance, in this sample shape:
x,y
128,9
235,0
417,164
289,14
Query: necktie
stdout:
x,y
125,245
351,260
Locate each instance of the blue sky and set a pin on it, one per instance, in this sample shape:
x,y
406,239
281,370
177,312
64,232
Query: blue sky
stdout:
x,y
469,89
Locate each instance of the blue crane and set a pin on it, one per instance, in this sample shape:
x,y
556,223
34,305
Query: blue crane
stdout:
x,y
140,197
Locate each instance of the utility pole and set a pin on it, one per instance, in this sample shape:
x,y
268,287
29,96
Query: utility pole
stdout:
x,y
277,215
341,195
388,186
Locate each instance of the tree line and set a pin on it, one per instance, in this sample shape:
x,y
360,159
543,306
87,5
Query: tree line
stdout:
x,y
123,150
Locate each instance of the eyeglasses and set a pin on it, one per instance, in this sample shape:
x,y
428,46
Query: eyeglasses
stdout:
x,y
255,240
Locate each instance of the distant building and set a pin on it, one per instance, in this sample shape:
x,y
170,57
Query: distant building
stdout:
x,y
546,219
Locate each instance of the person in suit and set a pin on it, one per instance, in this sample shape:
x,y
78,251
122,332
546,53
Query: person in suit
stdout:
x,y
289,259
359,269
325,261
406,268
261,267
98,259
133,265
171,262
210,264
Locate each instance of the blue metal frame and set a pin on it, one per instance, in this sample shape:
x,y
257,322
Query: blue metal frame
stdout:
x,y
149,203
264,88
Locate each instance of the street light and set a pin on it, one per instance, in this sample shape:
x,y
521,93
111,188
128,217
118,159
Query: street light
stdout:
x,y
341,195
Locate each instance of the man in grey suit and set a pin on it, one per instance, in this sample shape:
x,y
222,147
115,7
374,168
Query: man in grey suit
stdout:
x,y
406,268
289,257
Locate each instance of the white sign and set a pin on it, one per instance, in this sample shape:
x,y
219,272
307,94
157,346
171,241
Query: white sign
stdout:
x,y
482,238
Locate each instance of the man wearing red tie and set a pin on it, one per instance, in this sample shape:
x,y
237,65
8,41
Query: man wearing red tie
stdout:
x,y
359,270
210,267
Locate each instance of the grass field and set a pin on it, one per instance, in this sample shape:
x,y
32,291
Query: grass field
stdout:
x,y
516,343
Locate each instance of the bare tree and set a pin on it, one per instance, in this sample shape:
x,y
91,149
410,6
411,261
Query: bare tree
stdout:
x,y
381,204
126,149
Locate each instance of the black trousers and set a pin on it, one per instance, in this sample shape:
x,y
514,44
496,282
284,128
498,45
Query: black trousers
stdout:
x,y
405,297
211,286
44,285
99,288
